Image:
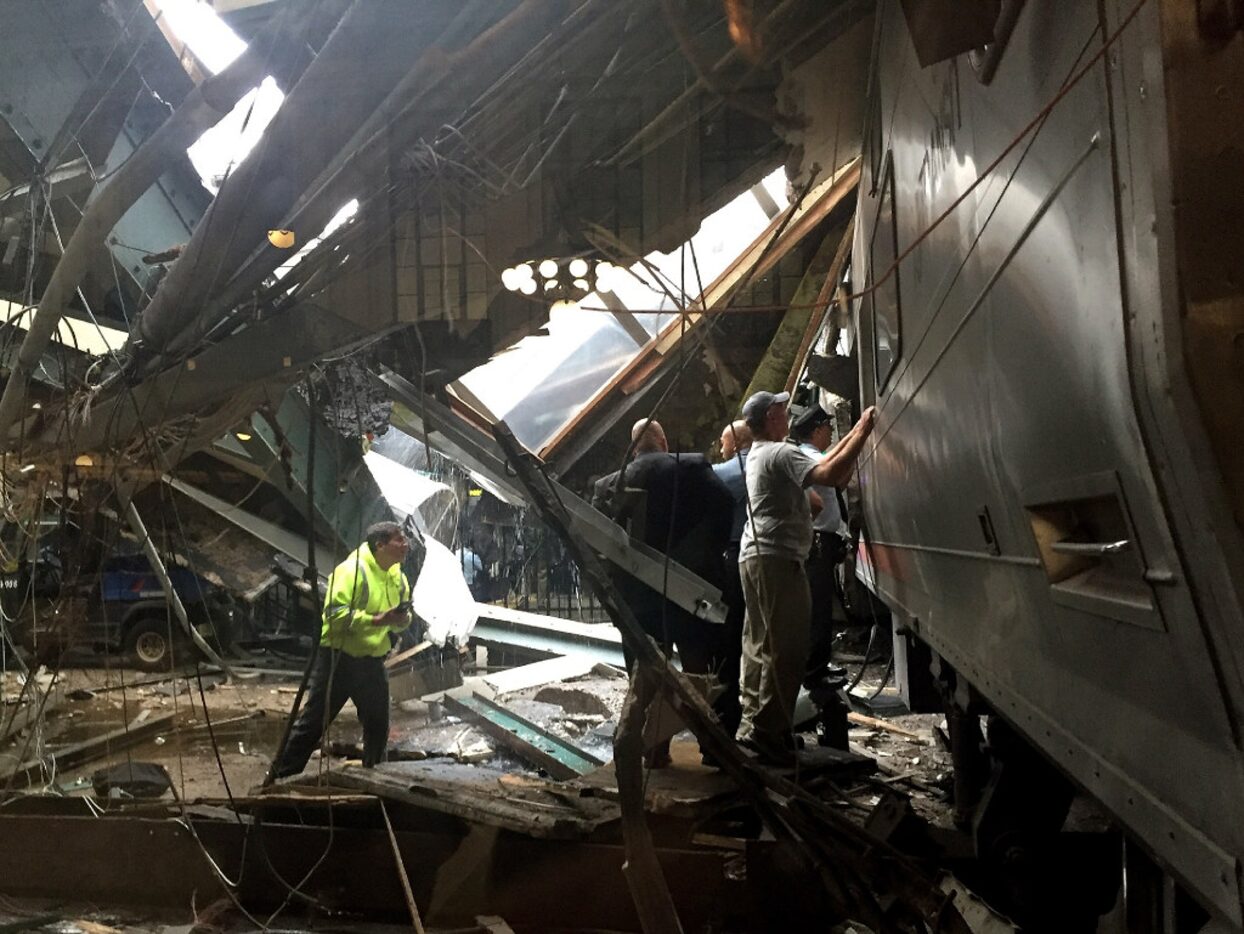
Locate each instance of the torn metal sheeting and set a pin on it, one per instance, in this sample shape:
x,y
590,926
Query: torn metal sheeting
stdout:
x,y
499,625
474,448
287,543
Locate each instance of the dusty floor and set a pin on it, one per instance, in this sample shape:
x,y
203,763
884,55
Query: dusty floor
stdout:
x,y
248,716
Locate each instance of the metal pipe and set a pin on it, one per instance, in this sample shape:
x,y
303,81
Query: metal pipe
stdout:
x,y
203,108
363,156
174,599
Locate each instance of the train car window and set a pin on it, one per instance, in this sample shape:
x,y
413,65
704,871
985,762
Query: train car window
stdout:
x,y
885,302
985,59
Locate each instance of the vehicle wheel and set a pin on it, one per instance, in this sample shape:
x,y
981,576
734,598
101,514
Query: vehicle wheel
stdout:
x,y
148,643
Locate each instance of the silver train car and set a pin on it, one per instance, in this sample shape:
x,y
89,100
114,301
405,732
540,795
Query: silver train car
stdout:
x,y
1054,493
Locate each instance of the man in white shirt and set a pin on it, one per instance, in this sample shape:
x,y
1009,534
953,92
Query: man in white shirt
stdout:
x,y
776,542
812,430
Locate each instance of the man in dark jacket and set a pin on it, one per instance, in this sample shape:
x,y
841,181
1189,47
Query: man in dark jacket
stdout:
x,y
685,512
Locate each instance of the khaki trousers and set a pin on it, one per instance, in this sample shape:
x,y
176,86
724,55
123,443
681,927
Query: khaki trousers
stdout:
x,y
775,645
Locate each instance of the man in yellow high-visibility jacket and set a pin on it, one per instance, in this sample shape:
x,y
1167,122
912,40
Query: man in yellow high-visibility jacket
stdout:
x,y
368,597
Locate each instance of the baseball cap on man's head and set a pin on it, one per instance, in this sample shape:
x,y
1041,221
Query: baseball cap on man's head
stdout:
x,y
754,409
807,420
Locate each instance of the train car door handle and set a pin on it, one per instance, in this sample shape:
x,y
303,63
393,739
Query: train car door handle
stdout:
x,y
1092,549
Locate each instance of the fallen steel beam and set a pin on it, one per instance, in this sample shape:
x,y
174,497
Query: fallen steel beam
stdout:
x,y
856,873
271,534
170,592
680,586
499,625
559,758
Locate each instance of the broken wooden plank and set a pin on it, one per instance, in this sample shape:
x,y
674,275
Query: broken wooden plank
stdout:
x,y
879,724
460,790
897,774
400,657
78,754
492,924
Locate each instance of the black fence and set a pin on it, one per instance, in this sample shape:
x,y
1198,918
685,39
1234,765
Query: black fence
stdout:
x,y
522,565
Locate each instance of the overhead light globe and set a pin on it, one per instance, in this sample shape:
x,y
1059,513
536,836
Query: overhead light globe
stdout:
x,y
84,460
528,286
548,268
550,285
282,239
578,267
561,305
583,285
524,272
606,276
511,279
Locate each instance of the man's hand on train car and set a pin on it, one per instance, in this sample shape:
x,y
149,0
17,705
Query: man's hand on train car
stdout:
x,y
834,469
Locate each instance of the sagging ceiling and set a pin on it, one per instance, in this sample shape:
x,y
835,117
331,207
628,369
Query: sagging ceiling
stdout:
x,y
493,132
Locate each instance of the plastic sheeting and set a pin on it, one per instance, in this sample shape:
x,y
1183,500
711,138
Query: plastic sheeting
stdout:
x,y
442,598
408,493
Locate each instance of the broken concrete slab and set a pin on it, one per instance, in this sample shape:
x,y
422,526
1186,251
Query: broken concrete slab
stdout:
x,y
574,700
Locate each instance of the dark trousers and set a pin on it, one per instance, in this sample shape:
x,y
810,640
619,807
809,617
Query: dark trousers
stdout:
x,y
821,568
335,678
671,627
728,653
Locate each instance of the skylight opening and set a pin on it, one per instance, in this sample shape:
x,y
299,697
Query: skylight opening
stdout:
x,y
545,379
215,45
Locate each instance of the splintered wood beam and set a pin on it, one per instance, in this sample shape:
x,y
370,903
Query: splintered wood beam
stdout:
x,y
642,869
